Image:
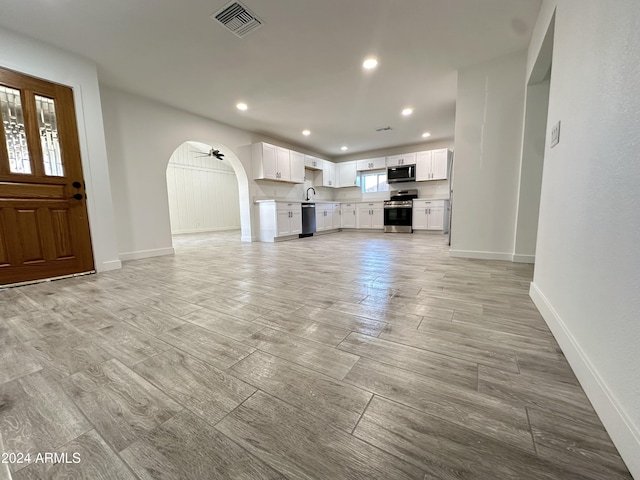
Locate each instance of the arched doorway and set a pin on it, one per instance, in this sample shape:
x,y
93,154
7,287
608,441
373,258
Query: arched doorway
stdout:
x,y
207,193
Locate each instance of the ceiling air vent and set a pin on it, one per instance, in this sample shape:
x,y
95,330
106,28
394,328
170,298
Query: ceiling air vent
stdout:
x,y
237,18
383,129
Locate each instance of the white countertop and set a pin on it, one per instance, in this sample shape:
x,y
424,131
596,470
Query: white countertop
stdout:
x,y
379,200
285,200
435,197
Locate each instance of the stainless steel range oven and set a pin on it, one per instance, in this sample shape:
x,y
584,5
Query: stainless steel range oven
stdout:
x,y
398,211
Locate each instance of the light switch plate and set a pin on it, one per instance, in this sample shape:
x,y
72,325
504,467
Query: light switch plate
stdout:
x,y
555,134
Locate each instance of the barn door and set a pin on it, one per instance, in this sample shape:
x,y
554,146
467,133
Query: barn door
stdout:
x,y
44,229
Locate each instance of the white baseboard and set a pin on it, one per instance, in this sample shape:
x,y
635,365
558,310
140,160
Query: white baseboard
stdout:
x,y
146,254
524,258
108,266
205,230
625,435
481,255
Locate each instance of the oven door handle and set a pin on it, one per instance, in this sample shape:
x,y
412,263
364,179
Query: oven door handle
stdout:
x,y
391,207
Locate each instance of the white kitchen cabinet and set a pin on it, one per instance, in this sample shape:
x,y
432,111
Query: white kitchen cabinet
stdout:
x,y
423,165
348,215
329,172
337,214
404,159
327,216
284,164
296,160
265,162
429,214
279,219
327,176
321,215
371,164
432,165
370,215
289,219
347,174
274,163
440,163
312,163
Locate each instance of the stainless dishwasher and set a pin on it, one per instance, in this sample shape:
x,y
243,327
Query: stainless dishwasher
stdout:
x,y
308,220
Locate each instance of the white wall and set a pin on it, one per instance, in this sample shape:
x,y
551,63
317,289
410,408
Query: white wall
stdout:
x,y
537,104
488,140
141,136
203,191
37,59
587,273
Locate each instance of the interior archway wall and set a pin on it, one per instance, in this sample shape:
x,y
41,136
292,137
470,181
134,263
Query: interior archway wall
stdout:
x,y
203,190
141,135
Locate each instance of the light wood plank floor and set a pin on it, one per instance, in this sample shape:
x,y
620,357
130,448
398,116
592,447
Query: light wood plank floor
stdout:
x,y
343,356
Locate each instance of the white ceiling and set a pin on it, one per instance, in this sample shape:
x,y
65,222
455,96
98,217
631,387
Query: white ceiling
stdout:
x,y
301,69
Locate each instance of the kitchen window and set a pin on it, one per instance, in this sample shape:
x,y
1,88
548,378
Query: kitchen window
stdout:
x,y
372,182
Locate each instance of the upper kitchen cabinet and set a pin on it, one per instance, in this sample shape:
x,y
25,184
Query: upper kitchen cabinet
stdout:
x,y
274,163
284,164
371,164
296,160
347,174
265,161
423,165
404,159
312,163
432,165
327,176
439,163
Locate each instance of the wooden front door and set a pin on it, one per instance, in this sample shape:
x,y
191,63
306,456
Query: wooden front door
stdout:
x,y
44,229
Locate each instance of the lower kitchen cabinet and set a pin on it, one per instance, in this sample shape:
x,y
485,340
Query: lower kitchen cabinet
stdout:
x,y
371,215
430,215
348,216
337,220
327,216
279,220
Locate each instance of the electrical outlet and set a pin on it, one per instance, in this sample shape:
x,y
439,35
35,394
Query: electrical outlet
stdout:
x,y
555,134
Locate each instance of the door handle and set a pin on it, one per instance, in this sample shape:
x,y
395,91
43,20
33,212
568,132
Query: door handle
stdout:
x,y
76,185
77,196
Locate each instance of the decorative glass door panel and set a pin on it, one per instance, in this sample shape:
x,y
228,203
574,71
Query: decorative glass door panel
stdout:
x,y
48,127
14,130
44,228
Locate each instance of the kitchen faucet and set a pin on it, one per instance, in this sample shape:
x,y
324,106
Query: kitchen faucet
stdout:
x,y
314,192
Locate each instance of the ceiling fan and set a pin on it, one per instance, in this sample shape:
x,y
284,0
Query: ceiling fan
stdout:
x,y
212,153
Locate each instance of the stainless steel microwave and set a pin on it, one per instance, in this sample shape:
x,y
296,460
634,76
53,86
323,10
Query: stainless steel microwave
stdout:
x,y
401,173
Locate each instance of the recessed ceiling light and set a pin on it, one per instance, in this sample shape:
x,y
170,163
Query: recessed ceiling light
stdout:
x,y
407,111
426,134
370,63
343,148
242,106
306,132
